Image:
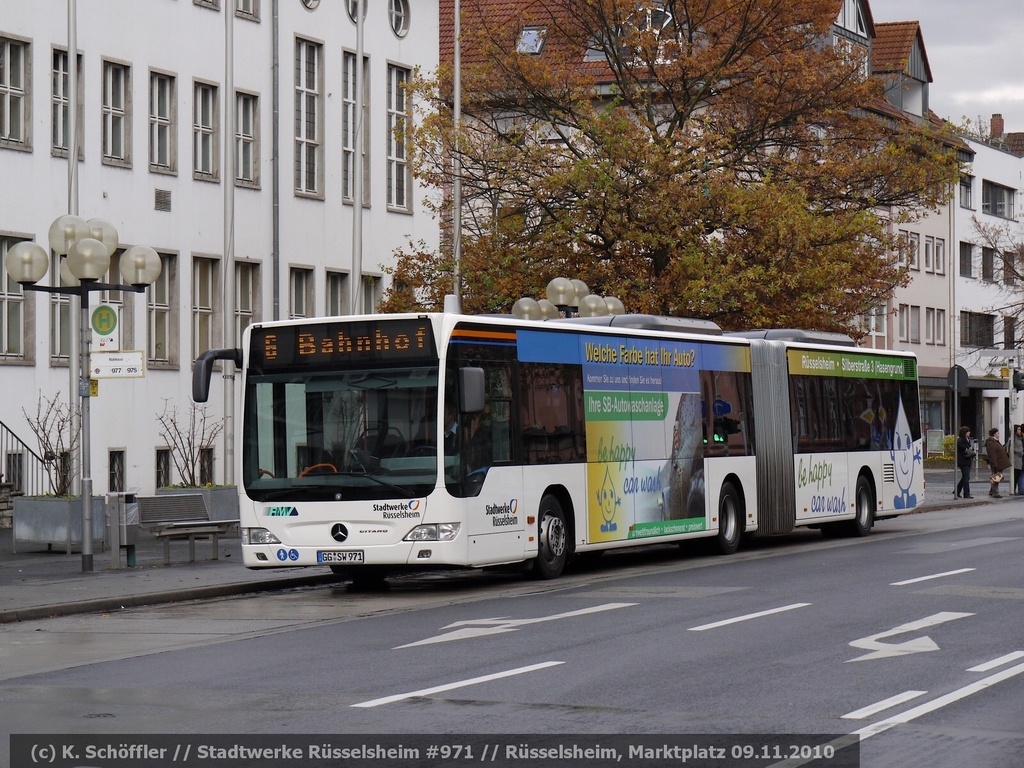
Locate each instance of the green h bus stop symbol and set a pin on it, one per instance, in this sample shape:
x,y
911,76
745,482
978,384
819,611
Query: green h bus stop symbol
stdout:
x,y
104,320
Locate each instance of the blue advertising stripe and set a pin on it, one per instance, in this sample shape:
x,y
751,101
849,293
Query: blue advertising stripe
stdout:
x,y
549,347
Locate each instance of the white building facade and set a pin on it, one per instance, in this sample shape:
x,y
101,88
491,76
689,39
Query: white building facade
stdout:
x,y
153,127
989,286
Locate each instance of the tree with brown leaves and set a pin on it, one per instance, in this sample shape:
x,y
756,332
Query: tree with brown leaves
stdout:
x,y
718,159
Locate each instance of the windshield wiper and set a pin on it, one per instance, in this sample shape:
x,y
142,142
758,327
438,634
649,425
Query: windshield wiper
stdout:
x,y
379,480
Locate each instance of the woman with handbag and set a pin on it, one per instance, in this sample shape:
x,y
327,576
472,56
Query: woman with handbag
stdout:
x,y
965,454
998,460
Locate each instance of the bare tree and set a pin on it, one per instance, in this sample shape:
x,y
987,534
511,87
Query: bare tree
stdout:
x,y
57,431
188,439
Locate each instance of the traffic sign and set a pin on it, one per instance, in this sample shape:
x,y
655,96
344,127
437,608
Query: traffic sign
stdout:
x,y
117,365
106,330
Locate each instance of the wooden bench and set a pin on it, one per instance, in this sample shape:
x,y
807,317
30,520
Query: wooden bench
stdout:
x,y
181,516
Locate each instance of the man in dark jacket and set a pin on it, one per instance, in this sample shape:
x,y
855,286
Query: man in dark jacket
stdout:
x,y
998,460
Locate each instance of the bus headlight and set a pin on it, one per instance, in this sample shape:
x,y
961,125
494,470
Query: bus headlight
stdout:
x,y
434,532
258,536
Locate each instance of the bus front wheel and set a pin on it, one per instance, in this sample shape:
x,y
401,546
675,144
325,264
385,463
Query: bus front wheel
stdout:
x,y
553,551
730,526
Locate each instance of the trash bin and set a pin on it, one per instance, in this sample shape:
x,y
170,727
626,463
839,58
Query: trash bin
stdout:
x,y
123,523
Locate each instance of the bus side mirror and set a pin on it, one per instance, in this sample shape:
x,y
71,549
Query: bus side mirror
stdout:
x,y
203,368
471,390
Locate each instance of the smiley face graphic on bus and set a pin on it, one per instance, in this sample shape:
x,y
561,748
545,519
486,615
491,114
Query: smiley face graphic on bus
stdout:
x,y
904,455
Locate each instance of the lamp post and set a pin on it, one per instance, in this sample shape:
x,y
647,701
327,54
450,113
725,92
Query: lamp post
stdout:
x,y
88,246
567,298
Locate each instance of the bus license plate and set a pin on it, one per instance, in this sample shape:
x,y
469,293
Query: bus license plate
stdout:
x,y
344,556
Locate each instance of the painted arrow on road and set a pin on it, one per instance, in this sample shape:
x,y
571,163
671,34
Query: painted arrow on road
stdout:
x,y
463,630
880,650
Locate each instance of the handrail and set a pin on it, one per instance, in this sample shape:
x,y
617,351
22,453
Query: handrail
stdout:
x,y
20,466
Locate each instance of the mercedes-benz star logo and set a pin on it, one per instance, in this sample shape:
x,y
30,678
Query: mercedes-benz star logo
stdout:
x,y
339,532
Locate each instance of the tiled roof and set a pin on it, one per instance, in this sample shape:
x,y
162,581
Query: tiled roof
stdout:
x,y
893,44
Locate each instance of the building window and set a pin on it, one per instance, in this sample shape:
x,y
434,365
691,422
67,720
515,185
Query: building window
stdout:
x,y
204,292
371,293
246,297
874,322
204,132
12,311
248,9
1009,333
14,91
851,17
115,471
162,134
996,200
929,254
163,467
966,196
909,249
247,149
988,264
398,13
940,327
60,117
349,124
977,330
350,6
60,316
910,323
307,117
337,293
116,113
206,466
940,256
301,292
531,40
398,163
966,259
158,310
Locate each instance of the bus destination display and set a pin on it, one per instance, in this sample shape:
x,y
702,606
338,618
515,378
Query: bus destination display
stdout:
x,y
342,343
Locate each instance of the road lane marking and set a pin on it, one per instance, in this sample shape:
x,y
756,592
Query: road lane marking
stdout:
x,y
997,662
930,706
882,726
928,578
874,709
758,615
462,630
458,684
880,650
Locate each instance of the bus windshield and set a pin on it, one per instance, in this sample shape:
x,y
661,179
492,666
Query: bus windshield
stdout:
x,y
340,434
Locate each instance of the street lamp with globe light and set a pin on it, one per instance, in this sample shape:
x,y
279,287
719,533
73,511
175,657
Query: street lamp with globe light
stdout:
x,y
88,246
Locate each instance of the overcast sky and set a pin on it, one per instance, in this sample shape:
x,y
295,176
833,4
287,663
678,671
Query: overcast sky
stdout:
x,y
976,52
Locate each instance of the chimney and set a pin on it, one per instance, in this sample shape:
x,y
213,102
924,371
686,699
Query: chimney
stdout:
x,y
997,128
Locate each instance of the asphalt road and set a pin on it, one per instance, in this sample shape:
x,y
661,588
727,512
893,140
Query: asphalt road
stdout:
x,y
910,639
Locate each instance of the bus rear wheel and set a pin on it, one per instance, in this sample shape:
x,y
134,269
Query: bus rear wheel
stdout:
x,y
553,552
730,527
864,521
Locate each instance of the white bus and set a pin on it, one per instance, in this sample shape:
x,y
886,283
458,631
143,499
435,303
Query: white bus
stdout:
x,y
572,436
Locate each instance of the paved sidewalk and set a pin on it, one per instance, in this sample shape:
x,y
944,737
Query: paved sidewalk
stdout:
x,y
36,583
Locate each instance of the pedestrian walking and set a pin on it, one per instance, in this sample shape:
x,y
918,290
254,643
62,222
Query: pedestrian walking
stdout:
x,y
965,454
998,460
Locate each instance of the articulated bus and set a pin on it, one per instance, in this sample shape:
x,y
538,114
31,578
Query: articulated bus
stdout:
x,y
372,444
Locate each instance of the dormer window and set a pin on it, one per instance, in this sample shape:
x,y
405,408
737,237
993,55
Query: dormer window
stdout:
x,y
851,17
531,40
